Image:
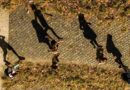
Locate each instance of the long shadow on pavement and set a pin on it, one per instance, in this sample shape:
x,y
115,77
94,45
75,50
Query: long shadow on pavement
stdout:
x,y
38,15
87,30
5,47
111,48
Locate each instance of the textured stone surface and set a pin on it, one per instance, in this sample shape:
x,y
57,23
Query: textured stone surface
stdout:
x,y
74,47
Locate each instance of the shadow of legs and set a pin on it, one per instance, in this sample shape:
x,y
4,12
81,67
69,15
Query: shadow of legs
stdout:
x,y
53,32
92,42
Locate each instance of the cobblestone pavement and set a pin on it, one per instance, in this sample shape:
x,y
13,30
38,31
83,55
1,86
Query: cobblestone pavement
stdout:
x,y
74,48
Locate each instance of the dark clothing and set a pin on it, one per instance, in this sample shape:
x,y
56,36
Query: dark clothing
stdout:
x,y
100,56
55,61
54,45
54,66
8,71
99,51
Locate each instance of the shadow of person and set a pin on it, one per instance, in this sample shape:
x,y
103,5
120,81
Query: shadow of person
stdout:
x,y
87,30
42,35
5,47
38,15
111,48
126,77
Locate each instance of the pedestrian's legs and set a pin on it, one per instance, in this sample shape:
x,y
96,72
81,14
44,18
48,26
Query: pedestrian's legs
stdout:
x,y
118,60
95,42
54,33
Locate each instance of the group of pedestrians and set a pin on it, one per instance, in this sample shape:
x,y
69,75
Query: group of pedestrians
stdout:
x,y
43,36
41,27
110,46
91,35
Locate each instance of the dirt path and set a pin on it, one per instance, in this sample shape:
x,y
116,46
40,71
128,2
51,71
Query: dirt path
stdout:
x,y
4,28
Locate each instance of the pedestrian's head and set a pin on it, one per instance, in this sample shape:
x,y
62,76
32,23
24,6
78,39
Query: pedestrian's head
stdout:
x,y
53,42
